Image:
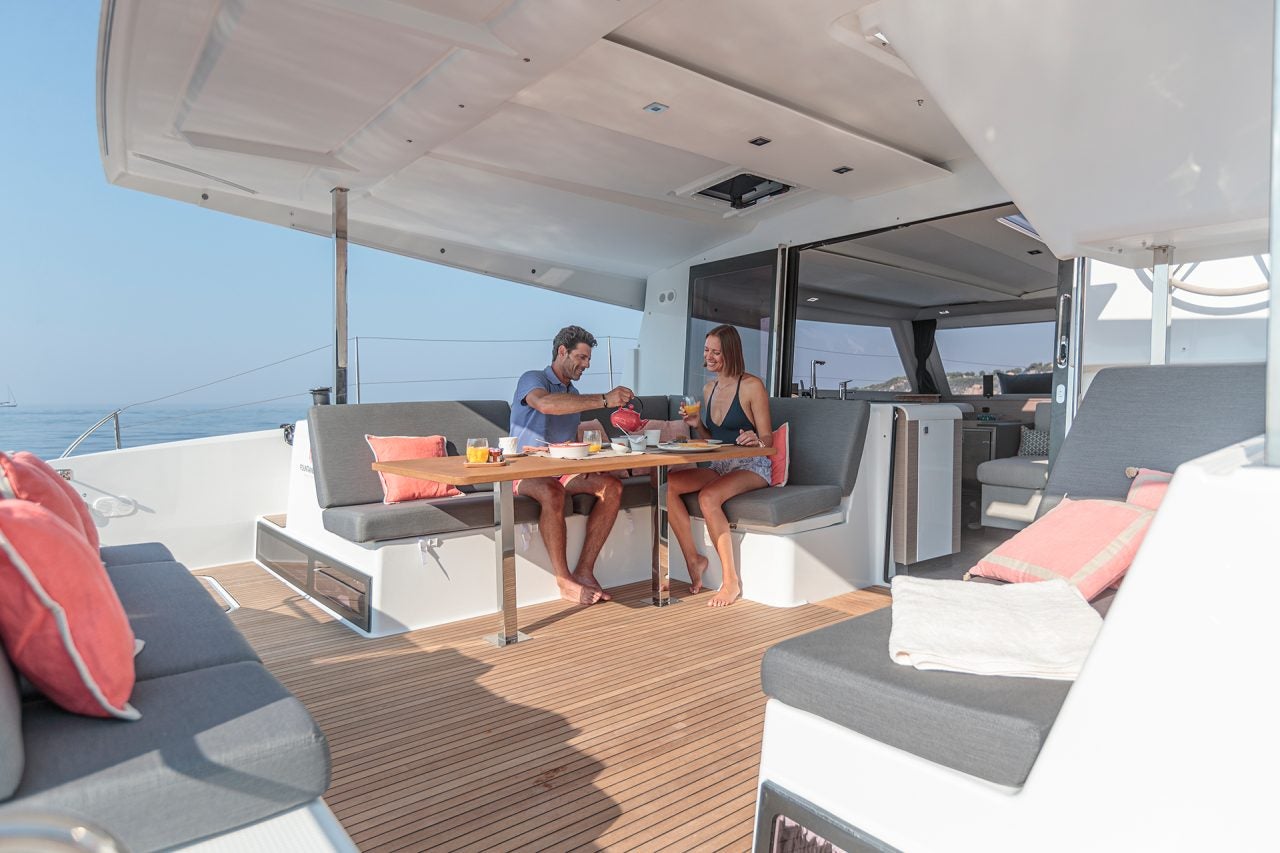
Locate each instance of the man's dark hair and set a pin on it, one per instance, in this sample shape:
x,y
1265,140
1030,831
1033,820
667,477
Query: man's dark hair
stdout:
x,y
569,337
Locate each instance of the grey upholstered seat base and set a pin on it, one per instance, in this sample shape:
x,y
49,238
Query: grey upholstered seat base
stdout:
x,y
378,521
215,749
1019,472
989,727
636,492
182,626
141,552
775,506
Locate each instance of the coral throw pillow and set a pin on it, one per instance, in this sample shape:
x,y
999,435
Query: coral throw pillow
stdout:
x,y
1087,543
21,479
81,508
780,462
1148,487
60,619
394,448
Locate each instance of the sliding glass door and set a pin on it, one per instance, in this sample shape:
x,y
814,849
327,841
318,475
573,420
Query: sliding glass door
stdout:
x,y
750,294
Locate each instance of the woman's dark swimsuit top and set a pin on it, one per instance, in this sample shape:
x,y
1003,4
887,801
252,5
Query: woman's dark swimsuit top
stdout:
x,y
735,419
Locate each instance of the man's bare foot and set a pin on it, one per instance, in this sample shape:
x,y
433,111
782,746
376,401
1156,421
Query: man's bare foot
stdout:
x,y
696,567
588,580
727,595
571,590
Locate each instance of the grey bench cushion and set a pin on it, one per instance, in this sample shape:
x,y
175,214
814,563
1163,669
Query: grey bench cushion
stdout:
x,y
1153,417
343,461
376,522
183,627
1019,472
775,505
141,552
215,749
636,492
989,727
11,753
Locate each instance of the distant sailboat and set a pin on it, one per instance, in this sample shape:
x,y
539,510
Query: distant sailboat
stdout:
x,y
9,401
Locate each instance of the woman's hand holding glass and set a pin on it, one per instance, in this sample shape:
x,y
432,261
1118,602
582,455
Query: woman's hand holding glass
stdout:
x,y
690,411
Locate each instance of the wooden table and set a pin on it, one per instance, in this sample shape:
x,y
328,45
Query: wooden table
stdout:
x,y
453,471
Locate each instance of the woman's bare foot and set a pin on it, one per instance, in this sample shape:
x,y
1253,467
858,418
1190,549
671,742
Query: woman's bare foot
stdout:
x,y
588,580
571,590
696,567
728,594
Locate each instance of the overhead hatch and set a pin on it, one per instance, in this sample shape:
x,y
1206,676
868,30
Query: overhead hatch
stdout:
x,y
744,190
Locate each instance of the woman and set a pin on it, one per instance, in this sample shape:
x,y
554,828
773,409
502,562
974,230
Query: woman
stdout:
x,y
735,410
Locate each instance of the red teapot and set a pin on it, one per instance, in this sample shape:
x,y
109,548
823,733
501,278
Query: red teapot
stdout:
x,y
627,419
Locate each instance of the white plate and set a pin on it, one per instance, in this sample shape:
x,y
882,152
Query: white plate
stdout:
x,y
680,447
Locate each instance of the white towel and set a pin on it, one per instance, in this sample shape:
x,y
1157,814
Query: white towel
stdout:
x,y
1029,630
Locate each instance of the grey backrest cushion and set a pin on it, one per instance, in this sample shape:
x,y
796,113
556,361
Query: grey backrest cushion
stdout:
x,y
826,439
11,753
1153,417
1043,415
343,461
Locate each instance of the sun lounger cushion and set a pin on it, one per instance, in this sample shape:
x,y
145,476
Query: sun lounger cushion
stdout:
x,y
142,552
1186,411
215,749
992,728
375,522
181,625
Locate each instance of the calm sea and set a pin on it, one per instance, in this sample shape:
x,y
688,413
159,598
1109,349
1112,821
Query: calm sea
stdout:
x,y
48,431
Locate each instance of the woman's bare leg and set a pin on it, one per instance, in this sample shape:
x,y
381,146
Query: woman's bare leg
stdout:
x,y
711,500
681,483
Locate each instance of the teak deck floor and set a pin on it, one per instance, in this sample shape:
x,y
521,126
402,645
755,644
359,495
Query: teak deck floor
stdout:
x,y
618,727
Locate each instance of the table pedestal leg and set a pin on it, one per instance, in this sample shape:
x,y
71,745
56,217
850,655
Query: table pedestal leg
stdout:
x,y
504,542
661,556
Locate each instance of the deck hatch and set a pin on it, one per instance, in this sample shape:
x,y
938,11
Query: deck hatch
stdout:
x,y
744,190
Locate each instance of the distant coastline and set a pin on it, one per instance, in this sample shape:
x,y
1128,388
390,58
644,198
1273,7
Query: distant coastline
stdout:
x,y
47,431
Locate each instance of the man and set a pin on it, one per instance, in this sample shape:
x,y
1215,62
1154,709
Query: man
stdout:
x,y
545,408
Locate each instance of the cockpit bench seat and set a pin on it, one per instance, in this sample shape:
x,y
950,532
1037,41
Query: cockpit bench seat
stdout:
x,y
221,744
992,728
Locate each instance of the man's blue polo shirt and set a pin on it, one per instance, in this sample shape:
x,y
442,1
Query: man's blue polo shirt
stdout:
x,y
527,423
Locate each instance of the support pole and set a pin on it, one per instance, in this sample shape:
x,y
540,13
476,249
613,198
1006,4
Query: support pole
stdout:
x,y
1271,454
339,195
1161,305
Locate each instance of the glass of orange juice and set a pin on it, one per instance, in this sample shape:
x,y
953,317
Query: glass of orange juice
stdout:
x,y
594,440
477,450
690,406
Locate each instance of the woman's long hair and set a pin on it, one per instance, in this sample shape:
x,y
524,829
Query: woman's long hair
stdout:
x,y
730,350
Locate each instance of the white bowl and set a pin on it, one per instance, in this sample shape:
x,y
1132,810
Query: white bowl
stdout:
x,y
620,447
570,450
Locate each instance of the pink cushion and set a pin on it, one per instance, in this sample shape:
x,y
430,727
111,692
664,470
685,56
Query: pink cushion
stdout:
x,y
1148,488
60,619
780,462
81,508
1089,543
394,448
22,479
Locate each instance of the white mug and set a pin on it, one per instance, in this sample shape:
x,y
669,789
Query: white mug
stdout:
x,y
637,443
507,444
654,437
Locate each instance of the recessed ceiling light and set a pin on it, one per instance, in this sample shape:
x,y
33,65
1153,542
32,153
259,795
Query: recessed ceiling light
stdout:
x,y
760,140
842,170
656,107
812,299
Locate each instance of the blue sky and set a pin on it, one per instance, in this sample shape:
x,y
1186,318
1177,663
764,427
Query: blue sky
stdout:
x,y
112,297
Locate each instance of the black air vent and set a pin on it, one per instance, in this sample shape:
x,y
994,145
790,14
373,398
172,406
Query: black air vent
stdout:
x,y
744,190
